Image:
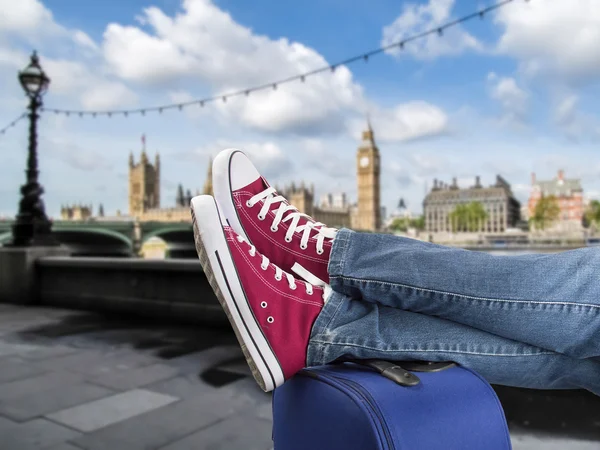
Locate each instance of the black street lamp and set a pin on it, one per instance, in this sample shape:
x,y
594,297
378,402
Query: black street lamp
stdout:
x,y
32,227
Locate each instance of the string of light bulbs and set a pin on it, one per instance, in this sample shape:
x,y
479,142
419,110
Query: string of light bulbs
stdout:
x,y
439,30
13,123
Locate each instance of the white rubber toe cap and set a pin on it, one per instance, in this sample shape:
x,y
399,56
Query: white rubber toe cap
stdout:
x,y
238,167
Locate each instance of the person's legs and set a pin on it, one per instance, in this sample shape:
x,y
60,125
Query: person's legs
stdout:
x,y
551,301
355,329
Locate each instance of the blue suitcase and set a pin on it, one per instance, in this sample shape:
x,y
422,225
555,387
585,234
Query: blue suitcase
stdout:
x,y
381,405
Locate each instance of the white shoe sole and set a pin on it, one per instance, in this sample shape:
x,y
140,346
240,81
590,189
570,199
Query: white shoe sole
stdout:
x,y
222,275
222,190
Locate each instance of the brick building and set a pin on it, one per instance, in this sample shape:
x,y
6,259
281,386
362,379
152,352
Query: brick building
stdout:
x,y
569,194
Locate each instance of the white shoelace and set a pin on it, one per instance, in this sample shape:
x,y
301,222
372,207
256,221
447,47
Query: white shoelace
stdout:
x,y
312,279
301,271
270,198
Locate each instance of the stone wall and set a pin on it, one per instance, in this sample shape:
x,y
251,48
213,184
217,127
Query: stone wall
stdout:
x,y
168,289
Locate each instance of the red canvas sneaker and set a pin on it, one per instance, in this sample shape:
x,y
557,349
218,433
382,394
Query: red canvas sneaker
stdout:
x,y
258,213
271,312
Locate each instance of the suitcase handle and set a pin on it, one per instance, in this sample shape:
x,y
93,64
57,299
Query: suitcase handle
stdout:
x,y
399,372
390,370
427,366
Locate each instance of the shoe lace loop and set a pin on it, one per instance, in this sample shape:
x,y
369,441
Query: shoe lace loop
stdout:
x,y
312,279
279,273
319,230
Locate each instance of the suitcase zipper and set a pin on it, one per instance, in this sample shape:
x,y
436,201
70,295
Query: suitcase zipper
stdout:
x,y
363,394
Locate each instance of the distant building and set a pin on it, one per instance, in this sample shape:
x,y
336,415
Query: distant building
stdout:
x,y
76,212
334,209
503,209
368,163
569,194
401,212
144,192
525,212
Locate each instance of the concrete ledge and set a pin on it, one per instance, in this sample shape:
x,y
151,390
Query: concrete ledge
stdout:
x,y
164,289
159,265
18,274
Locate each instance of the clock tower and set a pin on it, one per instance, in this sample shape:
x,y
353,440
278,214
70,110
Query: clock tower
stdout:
x,y
368,169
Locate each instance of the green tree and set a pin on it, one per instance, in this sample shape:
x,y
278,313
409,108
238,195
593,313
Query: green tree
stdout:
x,y
592,214
399,224
458,218
546,211
476,216
418,223
402,224
467,217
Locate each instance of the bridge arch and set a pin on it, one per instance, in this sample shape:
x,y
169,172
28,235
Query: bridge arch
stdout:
x,y
179,239
94,241
169,230
5,237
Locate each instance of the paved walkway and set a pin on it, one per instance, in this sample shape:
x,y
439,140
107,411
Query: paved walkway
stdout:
x,y
76,380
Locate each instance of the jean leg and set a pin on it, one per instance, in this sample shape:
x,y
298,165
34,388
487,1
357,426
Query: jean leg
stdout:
x,y
362,330
551,301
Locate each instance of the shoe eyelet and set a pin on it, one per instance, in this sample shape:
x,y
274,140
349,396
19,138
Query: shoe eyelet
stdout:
x,y
303,247
293,287
263,304
248,204
288,239
274,229
278,278
264,267
270,319
261,217
320,252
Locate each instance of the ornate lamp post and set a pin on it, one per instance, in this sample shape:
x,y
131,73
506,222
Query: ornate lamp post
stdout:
x,y
32,227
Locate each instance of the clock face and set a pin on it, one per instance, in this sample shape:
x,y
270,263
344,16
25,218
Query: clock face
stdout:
x,y
364,161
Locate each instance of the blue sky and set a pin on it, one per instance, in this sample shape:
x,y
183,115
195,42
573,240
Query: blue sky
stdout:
x,y
508,95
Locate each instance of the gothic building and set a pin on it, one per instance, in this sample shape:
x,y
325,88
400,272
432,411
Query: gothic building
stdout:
x,y
368,215
76,212
336,214
144,193
333,209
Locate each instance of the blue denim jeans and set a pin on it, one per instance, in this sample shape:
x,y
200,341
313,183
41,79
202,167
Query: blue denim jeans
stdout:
x,y
528,321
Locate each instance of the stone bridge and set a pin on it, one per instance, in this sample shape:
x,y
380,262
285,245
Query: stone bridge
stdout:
x,y
119,238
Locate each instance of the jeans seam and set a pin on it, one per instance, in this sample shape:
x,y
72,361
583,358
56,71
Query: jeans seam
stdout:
x,y
433,350
341,239
326,326
466,296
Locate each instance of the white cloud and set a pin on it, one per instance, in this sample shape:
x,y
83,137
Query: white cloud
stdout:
x,y
25,16
75,156
134,55
426,163
70,77
575,124
84,40
405,122
513,99
203,43
107,95
319,105
92,90
556,38
417,18
268,157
